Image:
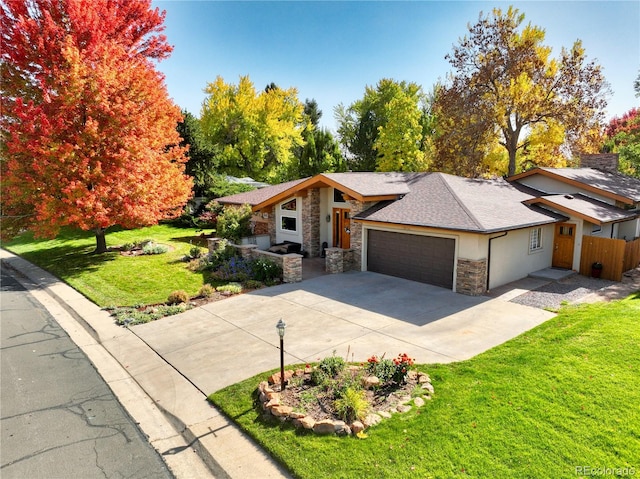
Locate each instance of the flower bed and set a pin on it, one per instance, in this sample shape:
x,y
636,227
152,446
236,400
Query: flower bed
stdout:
x,y
333,398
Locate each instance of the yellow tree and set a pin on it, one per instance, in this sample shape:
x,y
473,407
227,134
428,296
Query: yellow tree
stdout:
x,y
252,133
506,85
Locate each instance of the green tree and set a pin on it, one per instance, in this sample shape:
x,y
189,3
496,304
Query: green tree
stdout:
x,y
252,133
201,165
320,152
505,83
386,124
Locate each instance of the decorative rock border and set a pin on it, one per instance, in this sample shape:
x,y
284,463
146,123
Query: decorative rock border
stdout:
x,y
271,405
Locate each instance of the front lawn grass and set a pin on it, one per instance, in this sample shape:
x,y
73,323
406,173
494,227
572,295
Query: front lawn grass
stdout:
x,y
112,279
561,396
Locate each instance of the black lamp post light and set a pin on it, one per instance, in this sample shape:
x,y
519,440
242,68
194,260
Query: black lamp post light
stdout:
x,y
281,327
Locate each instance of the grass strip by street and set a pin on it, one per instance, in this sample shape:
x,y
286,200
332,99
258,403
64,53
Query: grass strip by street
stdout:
x,y
560,397
112,279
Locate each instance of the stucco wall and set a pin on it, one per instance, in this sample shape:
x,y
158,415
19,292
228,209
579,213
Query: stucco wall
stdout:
x,y
510,257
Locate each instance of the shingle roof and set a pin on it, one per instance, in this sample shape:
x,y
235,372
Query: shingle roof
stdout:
x,y
372,184
260,195
590,208
614,183
444,201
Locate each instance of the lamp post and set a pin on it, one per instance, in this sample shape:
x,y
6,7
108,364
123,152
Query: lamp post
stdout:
x,y
281,327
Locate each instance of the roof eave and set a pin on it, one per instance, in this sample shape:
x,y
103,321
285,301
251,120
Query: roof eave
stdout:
x,y
579,184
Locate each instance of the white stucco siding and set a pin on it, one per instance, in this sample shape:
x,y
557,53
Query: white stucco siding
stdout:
x,y
629,230
550,185
511,258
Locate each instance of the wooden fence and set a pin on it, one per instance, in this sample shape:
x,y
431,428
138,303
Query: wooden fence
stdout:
x,y
616,256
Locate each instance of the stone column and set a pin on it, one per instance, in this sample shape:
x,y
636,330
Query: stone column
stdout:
x,y
356,231
311,223
471,278
292,268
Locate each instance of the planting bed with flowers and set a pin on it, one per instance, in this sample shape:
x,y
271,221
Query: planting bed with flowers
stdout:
x,y
334,397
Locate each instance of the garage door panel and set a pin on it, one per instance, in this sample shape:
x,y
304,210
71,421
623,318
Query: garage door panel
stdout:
x,y
427,259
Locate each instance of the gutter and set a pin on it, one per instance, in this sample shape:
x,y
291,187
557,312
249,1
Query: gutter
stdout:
x,y
489,257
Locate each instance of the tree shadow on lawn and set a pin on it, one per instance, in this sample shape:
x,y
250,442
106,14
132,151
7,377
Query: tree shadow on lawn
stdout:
x,y
68,262
198,240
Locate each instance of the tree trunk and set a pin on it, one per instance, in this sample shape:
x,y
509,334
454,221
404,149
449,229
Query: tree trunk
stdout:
x,y
101,241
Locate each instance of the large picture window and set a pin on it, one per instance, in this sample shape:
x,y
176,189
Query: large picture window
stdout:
x,y
535,240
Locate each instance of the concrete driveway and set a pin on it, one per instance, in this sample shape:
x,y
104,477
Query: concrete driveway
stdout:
x,y
355,314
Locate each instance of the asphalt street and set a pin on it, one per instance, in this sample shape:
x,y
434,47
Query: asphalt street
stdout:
x,y
58,418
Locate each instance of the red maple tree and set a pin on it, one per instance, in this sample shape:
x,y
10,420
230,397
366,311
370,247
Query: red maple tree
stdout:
x,y
88,128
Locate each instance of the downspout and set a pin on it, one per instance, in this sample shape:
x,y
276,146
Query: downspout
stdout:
x,y
489,256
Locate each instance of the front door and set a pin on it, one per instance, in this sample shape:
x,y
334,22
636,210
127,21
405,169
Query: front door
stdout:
x,y
341,228
563,246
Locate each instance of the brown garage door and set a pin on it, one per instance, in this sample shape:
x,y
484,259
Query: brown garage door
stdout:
x,y
427,259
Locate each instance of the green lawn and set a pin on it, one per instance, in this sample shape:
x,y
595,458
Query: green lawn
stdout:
x,y
112,279
563,395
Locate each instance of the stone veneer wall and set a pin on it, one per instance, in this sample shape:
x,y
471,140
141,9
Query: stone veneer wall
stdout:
x,y
291,264
356,231
601,161
338,260
271,224
310,218
472,277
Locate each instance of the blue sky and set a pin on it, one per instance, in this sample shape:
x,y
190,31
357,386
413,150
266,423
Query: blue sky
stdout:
x,y
332,50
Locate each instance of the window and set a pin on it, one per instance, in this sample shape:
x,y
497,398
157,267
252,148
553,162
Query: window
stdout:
x,y
337,196
288,224
596,229
535,240
289,205
289,215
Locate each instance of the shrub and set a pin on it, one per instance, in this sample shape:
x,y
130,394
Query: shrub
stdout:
x,y
387,370
332,365
252,284
235,222
352,405
195,252
319,377
233,288
265,270
207,290
132,316
153,248
234,269
178,297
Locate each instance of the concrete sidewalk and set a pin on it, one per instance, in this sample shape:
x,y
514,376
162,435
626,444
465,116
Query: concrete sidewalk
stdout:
x,y
178,360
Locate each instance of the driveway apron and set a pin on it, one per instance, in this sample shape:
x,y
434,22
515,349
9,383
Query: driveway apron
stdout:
x,y
353,314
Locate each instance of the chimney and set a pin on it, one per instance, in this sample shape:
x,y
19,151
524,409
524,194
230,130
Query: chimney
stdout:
x,y
600,161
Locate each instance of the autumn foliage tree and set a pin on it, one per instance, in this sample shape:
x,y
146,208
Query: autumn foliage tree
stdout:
x,y
507,88
88,130
252,132
623,137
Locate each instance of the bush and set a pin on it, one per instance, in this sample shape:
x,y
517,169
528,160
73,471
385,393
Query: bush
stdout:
x,y
387,370
235,222
178,297
234,269
332,365
153,248
252,284
233,288
352,405
195,252
265,270
207,291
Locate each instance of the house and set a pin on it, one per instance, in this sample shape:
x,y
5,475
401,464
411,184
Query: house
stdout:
x,y
467,235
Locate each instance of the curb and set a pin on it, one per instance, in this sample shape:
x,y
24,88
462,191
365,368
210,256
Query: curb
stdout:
x,y
191,424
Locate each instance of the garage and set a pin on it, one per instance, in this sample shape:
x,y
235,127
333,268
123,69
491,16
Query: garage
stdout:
x,y
427,259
